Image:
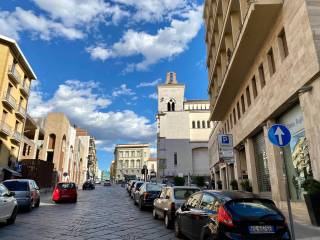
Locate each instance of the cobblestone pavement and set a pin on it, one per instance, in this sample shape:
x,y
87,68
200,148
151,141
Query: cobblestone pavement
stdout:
x,y
104,213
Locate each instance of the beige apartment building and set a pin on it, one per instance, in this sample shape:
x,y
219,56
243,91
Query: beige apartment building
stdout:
x,y
263,61
130,159
16,75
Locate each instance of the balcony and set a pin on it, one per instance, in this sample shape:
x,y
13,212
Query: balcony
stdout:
x,y
261,16
21,112
17,137
14,76
25,89
5,128
9,100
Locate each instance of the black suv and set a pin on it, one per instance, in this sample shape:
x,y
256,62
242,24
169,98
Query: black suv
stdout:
x,y
88,185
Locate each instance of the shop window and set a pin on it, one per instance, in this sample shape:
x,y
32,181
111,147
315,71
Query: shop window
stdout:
x,y
254,87
283,46
262,76
248,96
243,105
271,62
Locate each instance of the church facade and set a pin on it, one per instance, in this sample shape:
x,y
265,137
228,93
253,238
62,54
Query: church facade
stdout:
x,y
183,132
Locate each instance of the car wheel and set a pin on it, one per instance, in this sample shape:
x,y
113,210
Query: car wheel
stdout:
x,y
135,202
177,230
13,216
29,207
154,214
37,203
140,204
167,222
75,200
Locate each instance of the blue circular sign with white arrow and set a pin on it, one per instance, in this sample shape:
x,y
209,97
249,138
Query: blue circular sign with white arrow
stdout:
x,y
279,135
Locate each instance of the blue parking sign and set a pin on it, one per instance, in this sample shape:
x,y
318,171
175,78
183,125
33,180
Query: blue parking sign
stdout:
x,y
225,139
279,135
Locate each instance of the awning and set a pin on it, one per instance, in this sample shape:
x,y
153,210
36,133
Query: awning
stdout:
x,y
14,173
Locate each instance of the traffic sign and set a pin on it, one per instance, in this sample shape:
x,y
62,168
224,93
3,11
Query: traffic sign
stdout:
x,y
279,135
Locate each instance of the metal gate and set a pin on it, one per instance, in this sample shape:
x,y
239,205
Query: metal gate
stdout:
x,y
261,160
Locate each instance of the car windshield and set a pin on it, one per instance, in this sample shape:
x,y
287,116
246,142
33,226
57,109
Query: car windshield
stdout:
x,y
138,185
17,185
154,187
252,207
182,194
66,185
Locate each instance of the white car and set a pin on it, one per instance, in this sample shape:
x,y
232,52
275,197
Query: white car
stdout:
x,y
8,205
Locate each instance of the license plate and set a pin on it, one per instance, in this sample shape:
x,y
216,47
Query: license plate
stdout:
x,y
261,229
65,196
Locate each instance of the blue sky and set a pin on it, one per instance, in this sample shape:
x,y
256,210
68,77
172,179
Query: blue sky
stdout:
x,y
99,61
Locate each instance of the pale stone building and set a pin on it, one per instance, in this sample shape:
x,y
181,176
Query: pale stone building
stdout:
x,y
129,160
152,165
263,61
183,132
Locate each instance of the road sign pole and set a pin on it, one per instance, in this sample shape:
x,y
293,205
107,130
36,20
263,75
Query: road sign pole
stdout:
x,y
287,195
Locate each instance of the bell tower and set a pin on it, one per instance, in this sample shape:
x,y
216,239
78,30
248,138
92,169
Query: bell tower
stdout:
x,y
170,94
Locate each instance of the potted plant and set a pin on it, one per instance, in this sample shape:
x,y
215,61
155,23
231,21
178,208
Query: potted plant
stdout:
x,y
199,181
234,184
178,181
219,183
312,199
245,184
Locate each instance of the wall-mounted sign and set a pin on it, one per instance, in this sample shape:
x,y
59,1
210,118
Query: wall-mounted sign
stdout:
x,y
225,144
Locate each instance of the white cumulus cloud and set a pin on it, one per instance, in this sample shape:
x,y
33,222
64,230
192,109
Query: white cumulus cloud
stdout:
x,y
123,90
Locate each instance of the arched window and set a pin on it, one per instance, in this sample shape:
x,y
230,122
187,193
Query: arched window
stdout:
x,y
52,141
169,106
173,106
203,124
193,124
208,124
198,124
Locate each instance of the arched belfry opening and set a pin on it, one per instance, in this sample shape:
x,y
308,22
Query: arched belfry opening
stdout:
x,y
171,105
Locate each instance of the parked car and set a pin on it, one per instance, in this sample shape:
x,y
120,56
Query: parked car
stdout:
x,y
171,198
135,189
230,215
131,186
26,192
65,191
98,182
107,183
147,194
88,185
8,205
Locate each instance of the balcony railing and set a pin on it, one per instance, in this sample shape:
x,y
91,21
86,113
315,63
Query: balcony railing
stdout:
x,y
17,136
5,128
25,89
14,75
9,100
21,111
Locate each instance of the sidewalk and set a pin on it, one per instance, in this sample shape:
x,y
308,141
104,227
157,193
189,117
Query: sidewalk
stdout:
x,y
302,225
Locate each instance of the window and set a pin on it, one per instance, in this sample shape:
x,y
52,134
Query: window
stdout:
x,y
173,106
283,46
243,104
183,194
198,124
193,124
24,150
271,62
228,125
203,124
262,76
207,202
254,87
4,116
238,109
29,150
194,200
175,156
169,107
234,117
9,91
132,153
248,96
231,125
208,124
17,126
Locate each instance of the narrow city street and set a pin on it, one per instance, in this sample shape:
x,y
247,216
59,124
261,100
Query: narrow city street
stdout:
x,y
103,213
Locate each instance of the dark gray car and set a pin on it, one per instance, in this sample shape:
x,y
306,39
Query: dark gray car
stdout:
x,y
26,192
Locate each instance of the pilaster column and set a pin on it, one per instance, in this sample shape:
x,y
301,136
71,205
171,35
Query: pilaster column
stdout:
x,y
251,164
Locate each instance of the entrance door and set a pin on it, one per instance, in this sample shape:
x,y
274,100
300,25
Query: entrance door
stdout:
x,y
261,160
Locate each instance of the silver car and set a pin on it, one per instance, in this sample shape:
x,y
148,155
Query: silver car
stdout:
x,y
171,198
26,192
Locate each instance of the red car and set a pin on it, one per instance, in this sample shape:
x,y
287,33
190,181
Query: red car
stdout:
x,y
65,191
